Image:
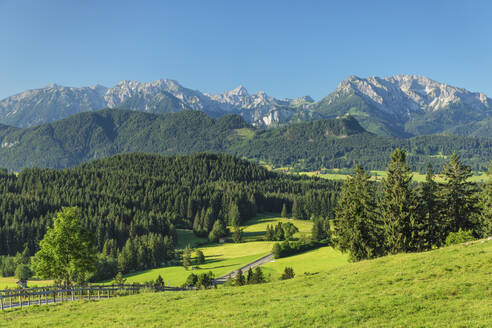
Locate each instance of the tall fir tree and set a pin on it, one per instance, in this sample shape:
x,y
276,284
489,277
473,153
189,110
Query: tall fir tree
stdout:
x,y
357,226
284,211
399,206
460,197
430,223
486,206
240,280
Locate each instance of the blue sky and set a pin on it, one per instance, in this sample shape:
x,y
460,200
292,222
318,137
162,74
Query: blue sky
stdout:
x,y
286,48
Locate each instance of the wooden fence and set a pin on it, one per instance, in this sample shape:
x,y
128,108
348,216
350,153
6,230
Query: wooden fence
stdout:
x,y
18,298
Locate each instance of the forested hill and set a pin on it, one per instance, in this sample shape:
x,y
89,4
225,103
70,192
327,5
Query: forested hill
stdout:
x,y
306,147
136,201
92,135
326,143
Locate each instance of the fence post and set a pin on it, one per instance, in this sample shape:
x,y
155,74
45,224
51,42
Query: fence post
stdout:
x,y
98,292
54,295
1,300
28,299
39,297
20,300
89,292
10,300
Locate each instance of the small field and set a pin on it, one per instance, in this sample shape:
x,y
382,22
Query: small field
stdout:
x,y
11,282
447,287
186,237
255,229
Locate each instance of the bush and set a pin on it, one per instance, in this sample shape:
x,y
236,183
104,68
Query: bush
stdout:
x,y
191,280
288,248
159,284
200,257
118,279
461,236
23,272
288,273
204,280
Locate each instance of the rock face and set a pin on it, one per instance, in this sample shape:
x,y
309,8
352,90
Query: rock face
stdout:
x,y
407,105
408,95
401,106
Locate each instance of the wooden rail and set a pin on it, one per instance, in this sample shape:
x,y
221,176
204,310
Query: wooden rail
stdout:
x,y
18,298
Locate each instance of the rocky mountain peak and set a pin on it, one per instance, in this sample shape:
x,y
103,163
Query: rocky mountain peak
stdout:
x,y
239,91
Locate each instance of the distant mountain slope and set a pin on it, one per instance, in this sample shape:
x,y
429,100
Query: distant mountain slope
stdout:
x,y
90,135
406,105
399,106
326,143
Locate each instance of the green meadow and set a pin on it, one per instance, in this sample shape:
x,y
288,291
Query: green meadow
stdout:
x,y
478,177
224,258
447,287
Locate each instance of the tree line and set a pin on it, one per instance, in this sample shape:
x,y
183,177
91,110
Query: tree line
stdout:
x,y
399,216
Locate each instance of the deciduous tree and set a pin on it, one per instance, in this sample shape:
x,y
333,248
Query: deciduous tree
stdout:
x,y
67,252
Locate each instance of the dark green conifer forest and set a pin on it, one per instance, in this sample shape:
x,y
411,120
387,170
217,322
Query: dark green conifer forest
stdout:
x,y
134,203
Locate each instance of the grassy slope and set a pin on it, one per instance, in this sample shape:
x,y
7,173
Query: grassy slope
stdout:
x,y
449,287
318,260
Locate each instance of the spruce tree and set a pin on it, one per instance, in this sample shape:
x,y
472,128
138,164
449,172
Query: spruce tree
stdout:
x,y
249,277
320,229
270,234
399,206
237,234
430,226
187,257
239,281
284,211
296,210
234,215
218,231
258,276
486,204
200,257
357,226
460,201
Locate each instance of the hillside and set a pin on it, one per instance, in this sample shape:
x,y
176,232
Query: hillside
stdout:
x,y
398,106
325,143
448,287
93,135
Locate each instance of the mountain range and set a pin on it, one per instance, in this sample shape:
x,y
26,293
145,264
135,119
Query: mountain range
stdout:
x,y
399,106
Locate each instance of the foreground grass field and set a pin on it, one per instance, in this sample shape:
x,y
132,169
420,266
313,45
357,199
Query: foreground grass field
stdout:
x,y
448,287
